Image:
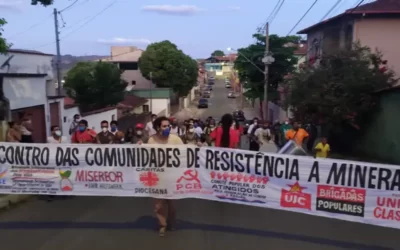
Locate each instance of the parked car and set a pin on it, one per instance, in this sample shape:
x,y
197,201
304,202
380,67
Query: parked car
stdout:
x,y
211,78
239,115
209,87
203,103
210,82
231,95
206,94
228,85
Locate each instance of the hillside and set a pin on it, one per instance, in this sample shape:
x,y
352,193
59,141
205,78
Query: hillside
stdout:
x,y
69,61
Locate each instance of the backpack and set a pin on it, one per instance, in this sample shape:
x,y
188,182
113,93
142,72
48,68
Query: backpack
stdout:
x,y
252,132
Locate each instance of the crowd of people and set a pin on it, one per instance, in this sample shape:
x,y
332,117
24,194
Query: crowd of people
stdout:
x,y
226,132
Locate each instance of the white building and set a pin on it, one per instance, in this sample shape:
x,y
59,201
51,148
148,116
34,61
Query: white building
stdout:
x,y
28,84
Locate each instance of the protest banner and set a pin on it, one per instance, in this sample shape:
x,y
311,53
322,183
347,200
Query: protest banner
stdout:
x,y
347,190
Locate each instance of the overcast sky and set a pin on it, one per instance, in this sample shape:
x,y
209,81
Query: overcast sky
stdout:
x,y
198,27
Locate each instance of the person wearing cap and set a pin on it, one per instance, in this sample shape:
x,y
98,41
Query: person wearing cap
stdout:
x,y
140,136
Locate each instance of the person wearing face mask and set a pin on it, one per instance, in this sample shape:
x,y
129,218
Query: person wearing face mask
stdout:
x,y
175,129
105,136
297,134
26,129
285,127
164,209
119,136
83,135
208,130
74,124
56,136
140,135
263,134
197,129
190,136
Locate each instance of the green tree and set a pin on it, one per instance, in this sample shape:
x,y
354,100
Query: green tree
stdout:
x,y
95,85
4,45
169,67
3,42
341,88
218,53
251,73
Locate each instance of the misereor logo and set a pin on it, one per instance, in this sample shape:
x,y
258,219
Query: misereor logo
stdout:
x,y
295,198
341,200
149,179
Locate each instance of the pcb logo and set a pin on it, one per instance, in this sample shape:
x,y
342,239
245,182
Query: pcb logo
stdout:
x,y
295,198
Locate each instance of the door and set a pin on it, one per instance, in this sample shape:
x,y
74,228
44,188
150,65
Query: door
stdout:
x,y
55,114
38,121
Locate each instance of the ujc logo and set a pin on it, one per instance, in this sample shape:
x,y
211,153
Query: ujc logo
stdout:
x,y
295,198
189,181
3,173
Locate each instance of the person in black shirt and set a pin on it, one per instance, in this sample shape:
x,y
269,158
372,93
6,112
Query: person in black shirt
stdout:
x,y
105,136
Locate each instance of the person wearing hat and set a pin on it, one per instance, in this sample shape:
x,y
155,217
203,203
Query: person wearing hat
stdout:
x,y
140,136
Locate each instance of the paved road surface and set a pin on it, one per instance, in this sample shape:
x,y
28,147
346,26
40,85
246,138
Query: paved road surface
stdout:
x,y
105,223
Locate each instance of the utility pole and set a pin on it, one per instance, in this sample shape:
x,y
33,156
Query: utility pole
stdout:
x,y
58,60
267,60
241,97
266,72
151,92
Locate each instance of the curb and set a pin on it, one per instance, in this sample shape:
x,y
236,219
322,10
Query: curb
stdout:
x,y
10,199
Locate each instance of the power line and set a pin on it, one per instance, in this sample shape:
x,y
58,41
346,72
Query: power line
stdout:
x,y
30,27
69,6
331,9
261,27
273,11
91,19
277,11
84,24
305,14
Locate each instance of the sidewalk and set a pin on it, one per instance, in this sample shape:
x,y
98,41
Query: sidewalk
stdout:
x,y
248,110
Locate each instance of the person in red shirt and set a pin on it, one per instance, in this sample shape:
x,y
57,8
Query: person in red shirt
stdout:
x,y
237,127
83,133
225,136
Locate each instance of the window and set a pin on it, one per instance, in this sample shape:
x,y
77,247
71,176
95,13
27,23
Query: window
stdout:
x,y
128,66
113,118
133,83
65,119
145,108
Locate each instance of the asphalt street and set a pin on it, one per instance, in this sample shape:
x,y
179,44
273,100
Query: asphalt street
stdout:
x,y
86,223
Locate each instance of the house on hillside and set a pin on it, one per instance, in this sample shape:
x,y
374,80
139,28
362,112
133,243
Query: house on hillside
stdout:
x,y
221,65
26,79
376,25
158,101
124,109
127,59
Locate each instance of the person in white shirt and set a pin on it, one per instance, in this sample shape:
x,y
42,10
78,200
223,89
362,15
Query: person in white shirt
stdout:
x,y
149,126
56,136
175,129
263,134
197,129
